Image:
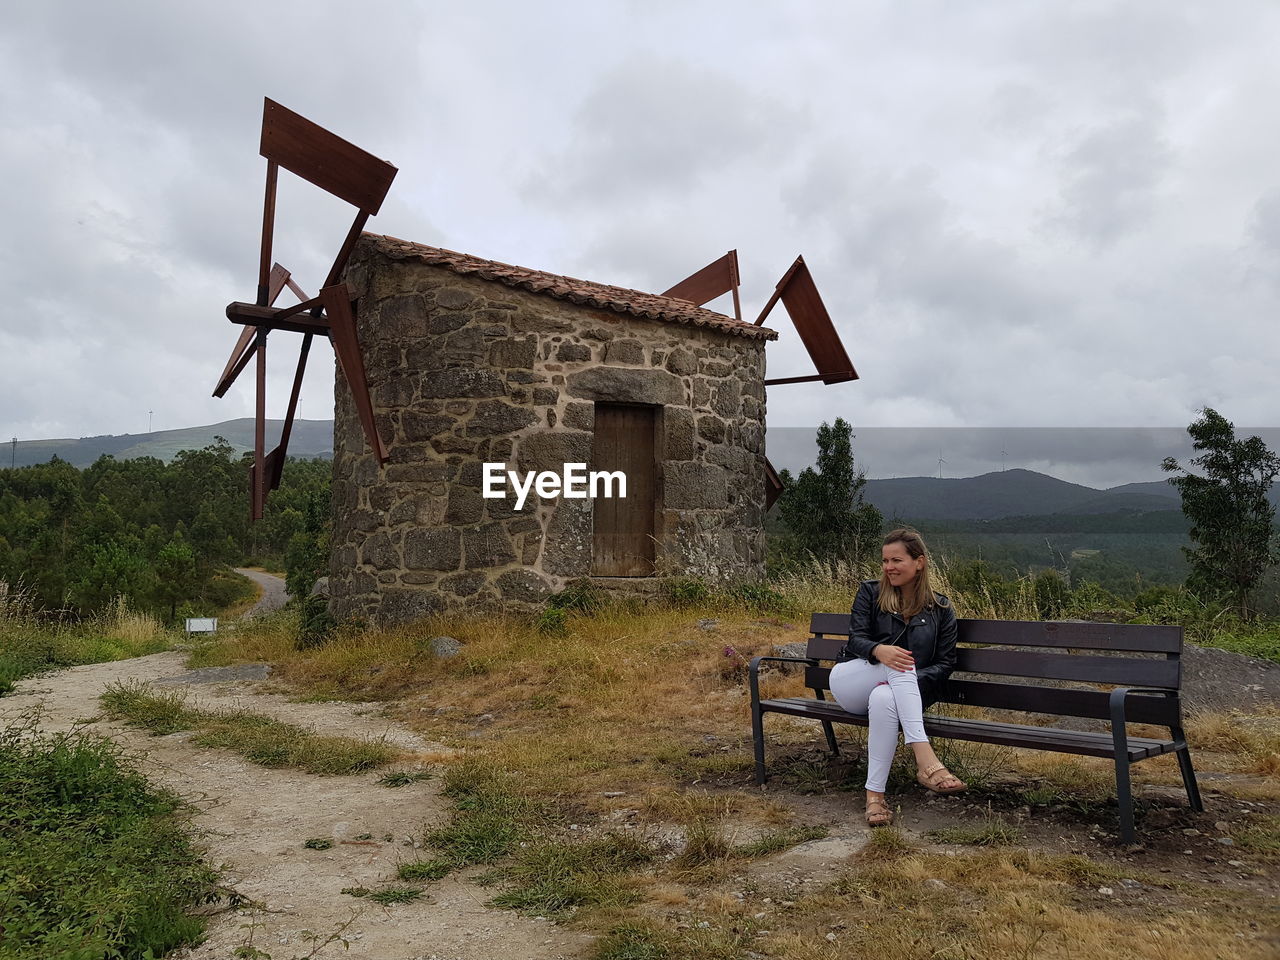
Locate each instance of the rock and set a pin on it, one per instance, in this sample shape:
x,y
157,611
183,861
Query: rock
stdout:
x,y
494,417
1130,884
1235,863
321,588
1226,841
445,647
1106,891
486,546
621,385
462,382
438,549
1212,680
1191,832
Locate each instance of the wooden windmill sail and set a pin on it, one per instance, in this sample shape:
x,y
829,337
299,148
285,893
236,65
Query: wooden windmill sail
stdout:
x,y
800,297
338,167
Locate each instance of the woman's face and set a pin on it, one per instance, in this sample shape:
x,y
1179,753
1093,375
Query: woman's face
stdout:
x,y
899,566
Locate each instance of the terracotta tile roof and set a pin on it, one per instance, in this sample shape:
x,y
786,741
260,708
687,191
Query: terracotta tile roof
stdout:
x,y
599,295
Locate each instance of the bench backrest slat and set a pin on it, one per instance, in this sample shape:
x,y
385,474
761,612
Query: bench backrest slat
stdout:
x,y
1128,637
826,648
1066,666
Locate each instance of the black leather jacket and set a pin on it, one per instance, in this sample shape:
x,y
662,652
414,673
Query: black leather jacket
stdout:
x,y
931,637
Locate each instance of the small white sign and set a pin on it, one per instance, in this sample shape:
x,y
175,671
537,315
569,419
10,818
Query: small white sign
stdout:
x,y
202,624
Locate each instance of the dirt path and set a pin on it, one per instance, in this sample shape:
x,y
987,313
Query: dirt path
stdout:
x,y
273,593
256,820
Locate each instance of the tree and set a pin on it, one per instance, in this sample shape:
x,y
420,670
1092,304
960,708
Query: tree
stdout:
x,y
176,574
1226,503
823,507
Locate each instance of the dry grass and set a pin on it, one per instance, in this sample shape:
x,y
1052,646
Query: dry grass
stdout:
x,y
650,709
910,905
1252,741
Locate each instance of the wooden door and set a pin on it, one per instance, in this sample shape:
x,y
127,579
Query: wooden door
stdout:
x,y
623,542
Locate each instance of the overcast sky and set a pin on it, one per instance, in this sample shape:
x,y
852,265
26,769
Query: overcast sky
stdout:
x,y
1019,214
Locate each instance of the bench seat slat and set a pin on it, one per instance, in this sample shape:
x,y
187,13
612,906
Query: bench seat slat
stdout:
x,y
1007,734
1128,637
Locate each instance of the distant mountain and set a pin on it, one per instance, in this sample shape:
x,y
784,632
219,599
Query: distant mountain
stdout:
x,y
310,438
1011,493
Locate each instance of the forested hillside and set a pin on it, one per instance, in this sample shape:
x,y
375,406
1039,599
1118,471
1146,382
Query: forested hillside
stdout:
x,y
162,535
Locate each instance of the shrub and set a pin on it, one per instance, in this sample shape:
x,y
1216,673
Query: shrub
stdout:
x,y
686,591
578,596
552,622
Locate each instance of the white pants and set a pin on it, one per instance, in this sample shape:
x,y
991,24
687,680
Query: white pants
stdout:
x,y
889,698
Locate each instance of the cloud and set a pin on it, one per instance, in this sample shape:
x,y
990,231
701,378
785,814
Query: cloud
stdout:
x,y
1016,214
1112,175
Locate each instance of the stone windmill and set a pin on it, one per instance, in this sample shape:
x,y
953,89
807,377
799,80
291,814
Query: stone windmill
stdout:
x,y
452,366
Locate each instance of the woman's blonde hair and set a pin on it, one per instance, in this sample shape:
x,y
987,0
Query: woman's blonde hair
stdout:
x,y
921,593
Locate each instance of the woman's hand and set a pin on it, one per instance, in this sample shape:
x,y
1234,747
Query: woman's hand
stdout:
x,y
895,658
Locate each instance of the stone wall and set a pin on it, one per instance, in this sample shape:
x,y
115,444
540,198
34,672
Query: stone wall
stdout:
x,y
463,371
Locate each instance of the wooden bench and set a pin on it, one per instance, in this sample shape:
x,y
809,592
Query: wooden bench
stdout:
x,y
1146,692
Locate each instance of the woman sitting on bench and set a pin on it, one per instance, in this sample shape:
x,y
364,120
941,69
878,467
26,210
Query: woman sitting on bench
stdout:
x,y
903,636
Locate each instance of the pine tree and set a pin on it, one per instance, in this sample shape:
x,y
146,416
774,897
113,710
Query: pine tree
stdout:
x,y
1226,502
823,507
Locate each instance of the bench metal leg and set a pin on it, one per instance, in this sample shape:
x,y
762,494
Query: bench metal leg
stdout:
x,y
1188,773
831,737
1124,794
757,735
829,730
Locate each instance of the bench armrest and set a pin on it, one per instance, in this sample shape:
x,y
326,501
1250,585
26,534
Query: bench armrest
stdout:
x,y
755,670
1117,701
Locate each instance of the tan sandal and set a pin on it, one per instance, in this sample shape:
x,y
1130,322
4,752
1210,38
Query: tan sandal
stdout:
x,y
878,814
934,779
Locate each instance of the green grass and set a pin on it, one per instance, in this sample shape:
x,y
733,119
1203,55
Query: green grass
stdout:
x,y
402,778
494,822
704,845
422,870
94,862
992,831
490,815
258,738
1258,639
389,895
777,841
644,940
551,877
1262,835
